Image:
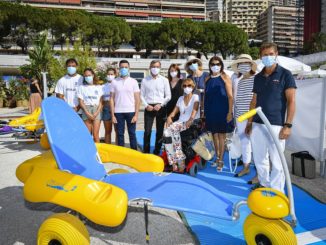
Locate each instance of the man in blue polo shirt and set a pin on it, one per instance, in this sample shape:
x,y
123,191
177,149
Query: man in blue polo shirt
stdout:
x,y
274,91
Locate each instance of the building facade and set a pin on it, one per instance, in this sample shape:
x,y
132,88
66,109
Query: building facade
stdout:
x,y
323,16
282,25
134,11
244,14
214,10
283,2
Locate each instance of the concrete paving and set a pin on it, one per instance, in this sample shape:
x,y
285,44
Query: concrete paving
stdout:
x,y
20,220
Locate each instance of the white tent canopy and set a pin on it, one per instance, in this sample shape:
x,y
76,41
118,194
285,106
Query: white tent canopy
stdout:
x,y
292,65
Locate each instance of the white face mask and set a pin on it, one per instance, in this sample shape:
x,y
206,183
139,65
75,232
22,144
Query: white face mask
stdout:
x,y
155,71
174,73
110,78
215,69
187,90
244,68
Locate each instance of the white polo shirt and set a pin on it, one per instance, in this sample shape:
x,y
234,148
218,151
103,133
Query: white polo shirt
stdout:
x,y
124,94
186,110
67,86
155,90
90,94
106,91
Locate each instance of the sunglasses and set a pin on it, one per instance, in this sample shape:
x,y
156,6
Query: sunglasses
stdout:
x,y
187,85
215,64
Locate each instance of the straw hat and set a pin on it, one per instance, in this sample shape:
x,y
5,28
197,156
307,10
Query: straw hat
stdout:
x,y
190,59
242,58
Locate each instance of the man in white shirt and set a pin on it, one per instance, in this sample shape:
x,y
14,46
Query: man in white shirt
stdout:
x,y
155,94
125,101
66,87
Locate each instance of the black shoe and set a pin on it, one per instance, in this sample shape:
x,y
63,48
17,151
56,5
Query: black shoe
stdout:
x,y
256,186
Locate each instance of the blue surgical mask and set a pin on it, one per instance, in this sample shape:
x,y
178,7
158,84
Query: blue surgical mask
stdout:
x,y
193,67
124,72
71,70
269,60
89,79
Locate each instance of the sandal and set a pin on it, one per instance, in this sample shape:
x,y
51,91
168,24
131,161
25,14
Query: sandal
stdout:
x,y
220,165
243,172
253,181
181,166
175,167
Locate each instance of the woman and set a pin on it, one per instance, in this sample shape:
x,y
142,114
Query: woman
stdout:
x,y
243,82
90,101
174,76
188,107
106,113
218,107
194,68
35,98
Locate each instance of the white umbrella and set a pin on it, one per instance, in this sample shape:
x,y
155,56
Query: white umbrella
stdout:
x,y
292,65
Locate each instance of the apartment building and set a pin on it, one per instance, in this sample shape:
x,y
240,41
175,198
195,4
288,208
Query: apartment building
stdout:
x,y
323,16
282,25
244,14
134,11
214,10
284,2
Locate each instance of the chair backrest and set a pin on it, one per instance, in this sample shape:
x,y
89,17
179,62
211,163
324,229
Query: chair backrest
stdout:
x,y
71,143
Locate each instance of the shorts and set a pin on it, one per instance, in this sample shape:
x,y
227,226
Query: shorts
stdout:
x,y
91,109
106,114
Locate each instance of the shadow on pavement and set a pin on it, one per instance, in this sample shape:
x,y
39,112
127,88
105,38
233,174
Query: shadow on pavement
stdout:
x,y
20,221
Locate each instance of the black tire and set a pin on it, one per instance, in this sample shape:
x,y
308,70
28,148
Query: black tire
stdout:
x,y
193,170
202,163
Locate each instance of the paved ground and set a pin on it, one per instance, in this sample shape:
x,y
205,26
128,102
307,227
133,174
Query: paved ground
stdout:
x,y
20,220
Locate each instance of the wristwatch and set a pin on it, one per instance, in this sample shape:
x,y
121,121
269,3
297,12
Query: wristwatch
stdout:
x,y
288,125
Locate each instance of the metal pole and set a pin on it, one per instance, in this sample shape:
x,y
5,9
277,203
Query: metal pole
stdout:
x,y
285,166
45,87
322,131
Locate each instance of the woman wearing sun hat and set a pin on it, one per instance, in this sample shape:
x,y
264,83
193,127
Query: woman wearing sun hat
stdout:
x,y
242,83
194,68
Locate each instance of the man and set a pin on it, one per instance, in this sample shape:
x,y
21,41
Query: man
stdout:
x,y
155,94
66,87
274,91
125,101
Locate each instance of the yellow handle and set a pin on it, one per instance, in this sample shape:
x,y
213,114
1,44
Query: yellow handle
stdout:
x,y
247,115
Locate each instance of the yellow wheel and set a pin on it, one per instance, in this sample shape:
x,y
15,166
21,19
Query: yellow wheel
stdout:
x,y
262,231
44,141
63,229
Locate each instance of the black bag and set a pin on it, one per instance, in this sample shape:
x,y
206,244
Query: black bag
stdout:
x,y
303,164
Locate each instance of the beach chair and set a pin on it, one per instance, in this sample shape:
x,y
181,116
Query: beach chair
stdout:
x,y
72,175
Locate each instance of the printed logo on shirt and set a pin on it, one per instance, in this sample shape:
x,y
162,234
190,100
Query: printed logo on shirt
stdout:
x,y
70,89
91,97
275,81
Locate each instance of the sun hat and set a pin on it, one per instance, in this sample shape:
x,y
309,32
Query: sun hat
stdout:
x,y
242,58
190,59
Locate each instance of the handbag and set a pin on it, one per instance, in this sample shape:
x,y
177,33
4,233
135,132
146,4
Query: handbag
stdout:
x,y
204,146
303,164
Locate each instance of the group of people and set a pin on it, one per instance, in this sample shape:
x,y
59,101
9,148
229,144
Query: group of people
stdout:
x,y
175,103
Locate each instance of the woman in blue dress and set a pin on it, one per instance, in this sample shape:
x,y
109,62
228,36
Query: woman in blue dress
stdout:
x,y
218,104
